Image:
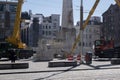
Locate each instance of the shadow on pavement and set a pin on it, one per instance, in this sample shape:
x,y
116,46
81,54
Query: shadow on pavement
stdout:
x,y
98,67
102,59
56,73
106,66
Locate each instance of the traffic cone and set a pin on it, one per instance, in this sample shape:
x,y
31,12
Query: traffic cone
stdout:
x,y
79,57
70,57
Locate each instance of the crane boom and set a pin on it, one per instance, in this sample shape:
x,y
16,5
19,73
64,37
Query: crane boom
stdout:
x,y
15,38
118,2
84,25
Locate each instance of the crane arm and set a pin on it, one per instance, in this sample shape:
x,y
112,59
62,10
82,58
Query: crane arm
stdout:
x,y
90,14
118,2
84,25
15,38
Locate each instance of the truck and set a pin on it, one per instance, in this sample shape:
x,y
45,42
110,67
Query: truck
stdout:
x,y
103,48
106,49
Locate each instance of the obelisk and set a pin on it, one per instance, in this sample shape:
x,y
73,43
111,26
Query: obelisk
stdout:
x,y
68,30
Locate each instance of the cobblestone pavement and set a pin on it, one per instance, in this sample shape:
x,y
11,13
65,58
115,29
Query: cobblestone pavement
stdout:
x,y
98,70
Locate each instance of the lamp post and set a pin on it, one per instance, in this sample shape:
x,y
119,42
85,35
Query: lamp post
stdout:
x,y
81,29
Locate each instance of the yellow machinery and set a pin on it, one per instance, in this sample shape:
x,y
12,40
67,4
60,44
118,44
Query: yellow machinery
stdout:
x,y
118,2
15,39
14,42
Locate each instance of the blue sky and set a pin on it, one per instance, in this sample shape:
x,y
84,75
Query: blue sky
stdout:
x,y
48,7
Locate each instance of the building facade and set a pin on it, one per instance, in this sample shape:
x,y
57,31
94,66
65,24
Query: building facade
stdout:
x,y
111,24
34,29
43,28
25,16
50,26
7,18
90,33
25,32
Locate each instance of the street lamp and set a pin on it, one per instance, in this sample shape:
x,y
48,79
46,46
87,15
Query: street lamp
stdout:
x,y
81,29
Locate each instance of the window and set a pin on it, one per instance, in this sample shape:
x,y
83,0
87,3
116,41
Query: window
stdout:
x,y
46,27
49,27
54,25
49,32
1,16
43,32
46,33
2,7
1,25
13,8
43,27
99,42
89,30
83,44
54,33
90,44
12,16
90,36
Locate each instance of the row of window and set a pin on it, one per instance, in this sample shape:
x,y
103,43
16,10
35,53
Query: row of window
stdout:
x,y
47,33
2,25
12,7
46,27
49,27
91,30
12,16
87,36
87,44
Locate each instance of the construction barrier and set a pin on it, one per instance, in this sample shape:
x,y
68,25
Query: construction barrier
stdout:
x,y
88,58
70,57
79,57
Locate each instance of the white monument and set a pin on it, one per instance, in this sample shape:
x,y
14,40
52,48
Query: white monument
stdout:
x,y
68,30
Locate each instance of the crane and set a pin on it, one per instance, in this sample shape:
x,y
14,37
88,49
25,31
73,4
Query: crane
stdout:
x,y
15,38
14,42
118,2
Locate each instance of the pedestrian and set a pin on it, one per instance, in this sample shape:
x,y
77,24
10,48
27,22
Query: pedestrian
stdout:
x,y
12,55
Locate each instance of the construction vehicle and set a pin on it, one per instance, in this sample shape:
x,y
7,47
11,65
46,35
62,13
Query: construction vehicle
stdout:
x,y
104,48
14,42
